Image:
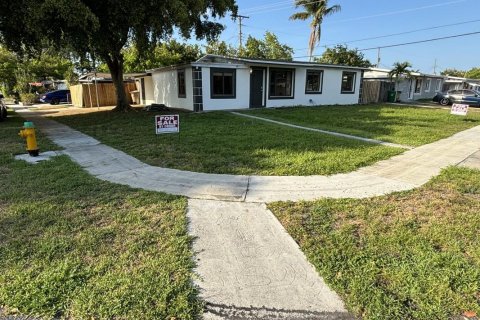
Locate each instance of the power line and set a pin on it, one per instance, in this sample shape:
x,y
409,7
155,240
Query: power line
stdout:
x,y
267,6
394,34
402,33
399,11
240,17
410,43
274,7
421,41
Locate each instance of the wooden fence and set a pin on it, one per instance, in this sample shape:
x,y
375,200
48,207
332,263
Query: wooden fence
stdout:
x,y
376,91
85,95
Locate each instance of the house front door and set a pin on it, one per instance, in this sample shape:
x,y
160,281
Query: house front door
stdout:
x,y
256,88
411,87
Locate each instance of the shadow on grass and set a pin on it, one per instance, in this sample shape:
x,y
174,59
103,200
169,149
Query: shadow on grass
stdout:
x,y
75,247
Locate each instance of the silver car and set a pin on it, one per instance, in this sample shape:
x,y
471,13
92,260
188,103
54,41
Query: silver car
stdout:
x,y
463,96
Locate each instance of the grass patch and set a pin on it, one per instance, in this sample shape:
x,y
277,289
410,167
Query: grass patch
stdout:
x,y
406,125
72,246
410,255
219,142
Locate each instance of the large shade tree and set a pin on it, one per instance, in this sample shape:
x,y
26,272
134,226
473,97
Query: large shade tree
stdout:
x,y
317,11
101,29
268,48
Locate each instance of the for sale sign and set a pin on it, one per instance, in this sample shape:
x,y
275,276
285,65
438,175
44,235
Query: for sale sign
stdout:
x,y
459,109
167,123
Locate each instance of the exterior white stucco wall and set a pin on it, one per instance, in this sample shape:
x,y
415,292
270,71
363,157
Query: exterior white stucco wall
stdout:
x,y
331,89
165,88
149,98
242,91
407,87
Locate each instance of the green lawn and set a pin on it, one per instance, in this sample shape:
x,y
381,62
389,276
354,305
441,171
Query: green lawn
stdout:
x,y
219,142
405,125
410,255
72,246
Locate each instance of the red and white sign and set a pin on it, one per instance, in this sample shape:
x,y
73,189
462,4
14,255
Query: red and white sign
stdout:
x,y
167,123
459,109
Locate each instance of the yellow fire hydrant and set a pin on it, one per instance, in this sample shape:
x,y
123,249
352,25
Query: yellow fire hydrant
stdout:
x,y
28,132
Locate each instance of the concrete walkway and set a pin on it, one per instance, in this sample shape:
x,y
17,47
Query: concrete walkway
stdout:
x,y
403,172
252,269
249,267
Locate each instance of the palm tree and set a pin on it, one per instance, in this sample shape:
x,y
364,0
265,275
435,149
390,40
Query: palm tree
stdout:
x,y
317,10
400,69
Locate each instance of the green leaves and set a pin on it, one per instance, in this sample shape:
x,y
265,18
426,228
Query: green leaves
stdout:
x,y
340,54
268,48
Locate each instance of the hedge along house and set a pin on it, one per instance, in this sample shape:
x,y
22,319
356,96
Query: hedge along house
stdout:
x,y
223,83
417,86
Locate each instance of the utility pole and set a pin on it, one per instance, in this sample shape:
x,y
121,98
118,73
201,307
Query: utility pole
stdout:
x,y
435,67
378,58
240,17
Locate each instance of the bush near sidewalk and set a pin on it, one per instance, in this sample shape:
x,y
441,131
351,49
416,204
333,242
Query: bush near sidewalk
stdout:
x,y
72,246
410,255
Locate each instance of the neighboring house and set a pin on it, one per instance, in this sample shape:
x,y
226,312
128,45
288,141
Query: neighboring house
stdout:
x,y
456,83
222,83
418,86
91,77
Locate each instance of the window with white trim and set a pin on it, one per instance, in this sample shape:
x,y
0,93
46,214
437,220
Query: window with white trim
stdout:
x,y
348,82
222,83
281,84
314,81
428,84
439,85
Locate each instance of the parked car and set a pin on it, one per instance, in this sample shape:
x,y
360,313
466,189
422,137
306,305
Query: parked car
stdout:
x,y
463,96
56,97
3,108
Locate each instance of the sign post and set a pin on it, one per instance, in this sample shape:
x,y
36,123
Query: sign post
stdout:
x,y
459,109
167,123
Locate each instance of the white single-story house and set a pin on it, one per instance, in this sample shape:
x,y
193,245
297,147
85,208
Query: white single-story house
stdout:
x,y
455,83
223,83
417,86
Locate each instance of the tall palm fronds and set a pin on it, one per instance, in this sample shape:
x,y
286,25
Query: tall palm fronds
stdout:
x,y
317,10
400,69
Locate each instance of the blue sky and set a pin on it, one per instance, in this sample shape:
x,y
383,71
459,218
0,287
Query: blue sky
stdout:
x,y
361,19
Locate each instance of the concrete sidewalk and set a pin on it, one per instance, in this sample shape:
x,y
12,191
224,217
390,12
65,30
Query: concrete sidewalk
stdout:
x,y
252,269
403,172
249,267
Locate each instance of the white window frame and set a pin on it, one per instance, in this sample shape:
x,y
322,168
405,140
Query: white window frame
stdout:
x,y
428,85
354,81
439,85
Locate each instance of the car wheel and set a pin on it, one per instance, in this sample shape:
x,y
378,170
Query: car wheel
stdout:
x,y
444,101
55,101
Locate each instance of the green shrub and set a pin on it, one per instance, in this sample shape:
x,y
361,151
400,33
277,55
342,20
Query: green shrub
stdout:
x,y
28,98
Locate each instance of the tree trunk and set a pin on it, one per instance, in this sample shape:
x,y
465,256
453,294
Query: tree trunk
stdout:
x,y
115,65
